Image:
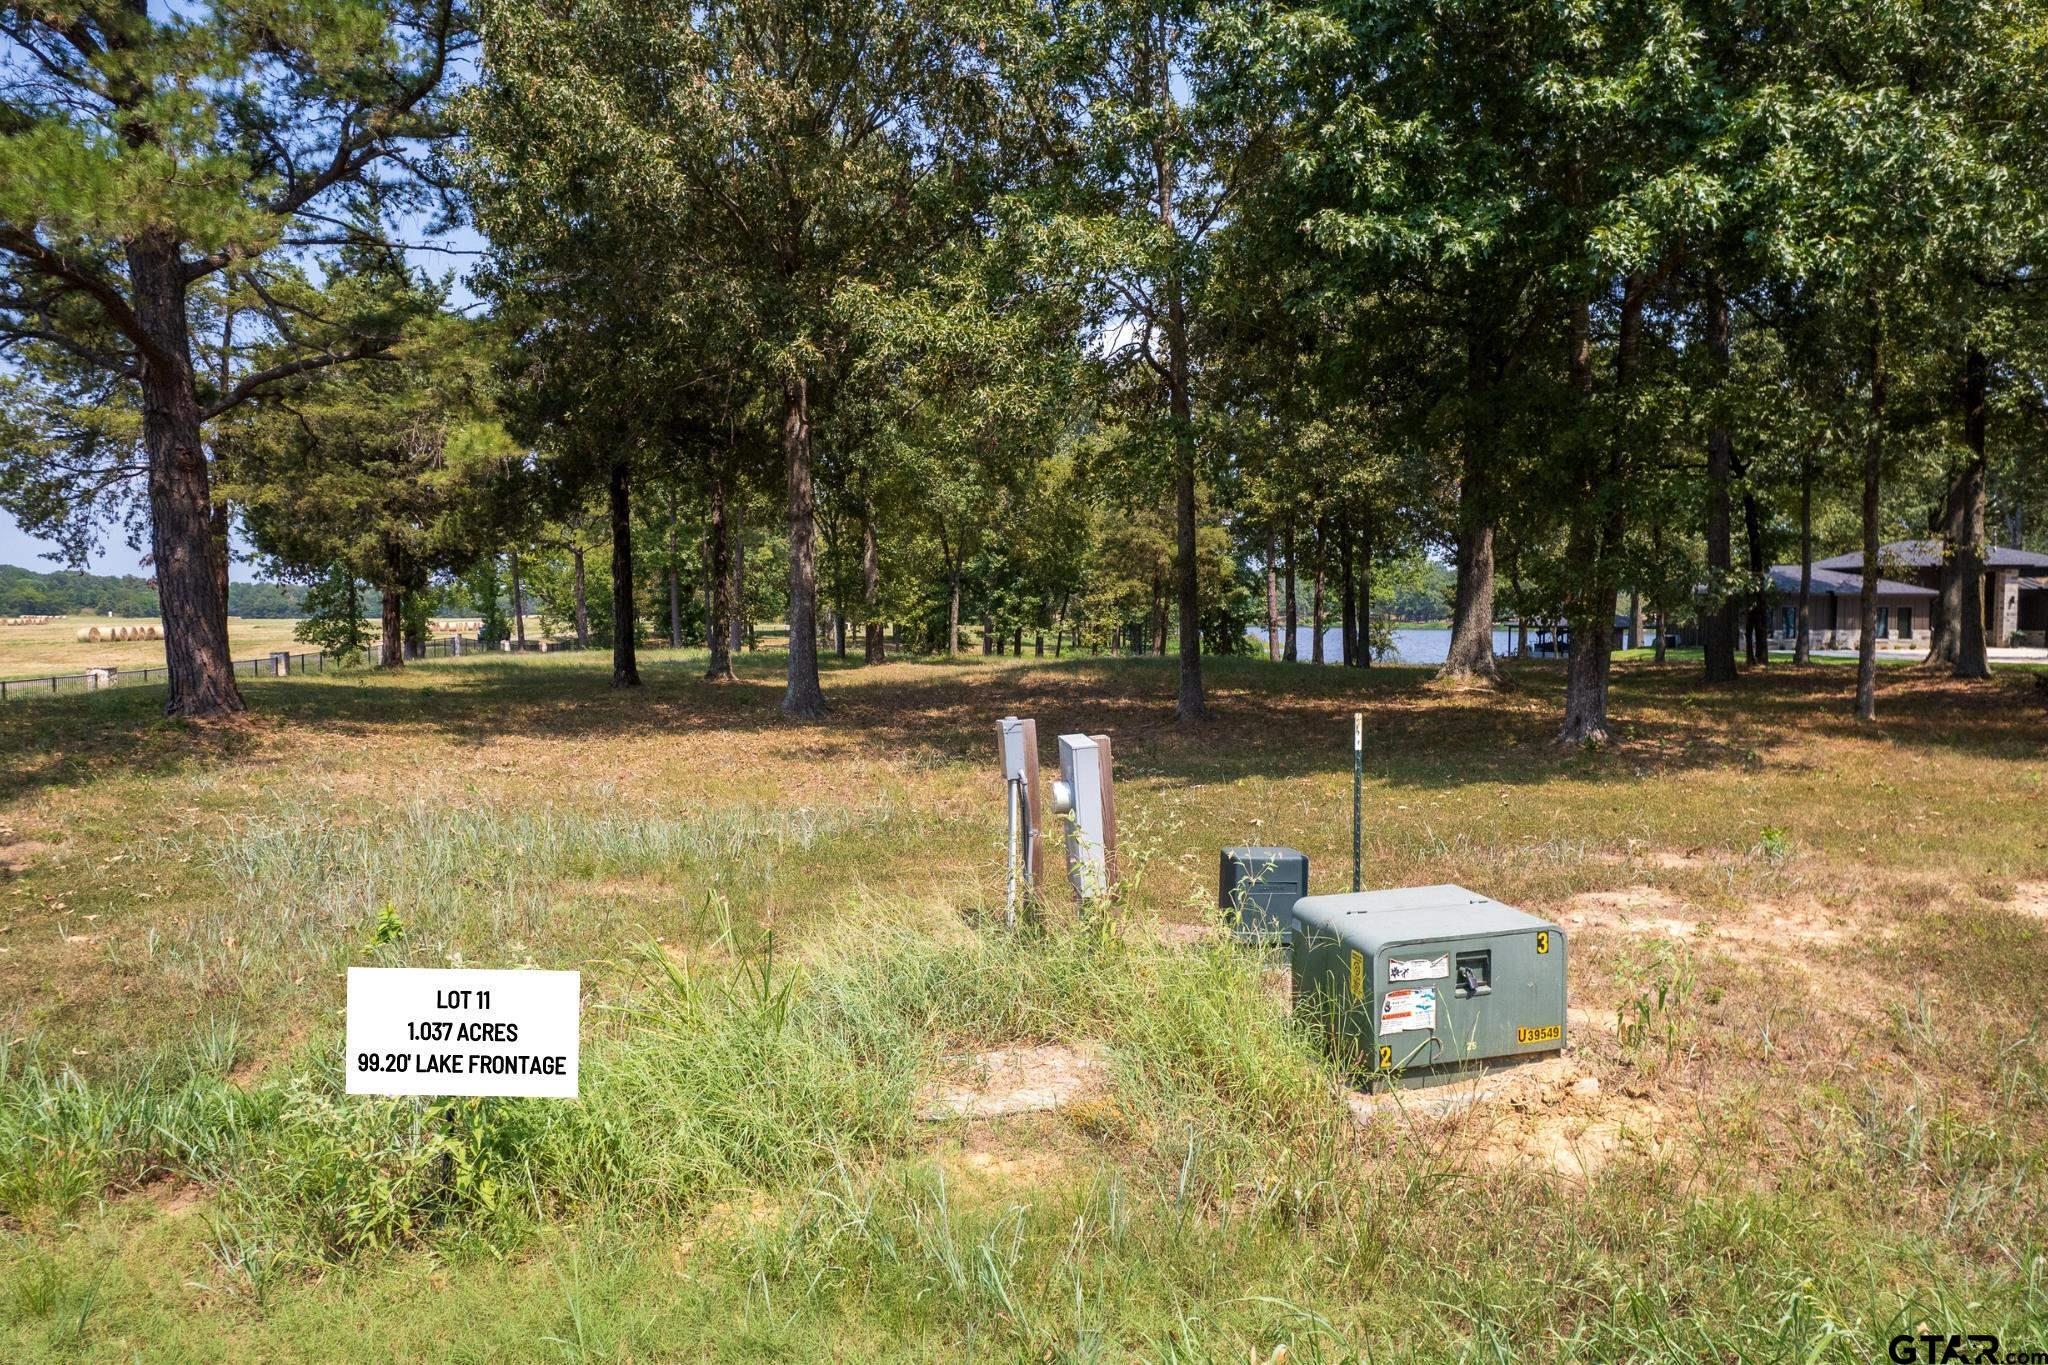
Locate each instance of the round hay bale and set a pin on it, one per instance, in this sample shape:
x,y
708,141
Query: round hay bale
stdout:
x,y
120,632
84,634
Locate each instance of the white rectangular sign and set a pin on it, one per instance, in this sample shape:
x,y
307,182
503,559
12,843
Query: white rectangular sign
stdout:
x,y
427,1031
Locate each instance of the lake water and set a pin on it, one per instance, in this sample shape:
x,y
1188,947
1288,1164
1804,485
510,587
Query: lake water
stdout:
x,y
1411,645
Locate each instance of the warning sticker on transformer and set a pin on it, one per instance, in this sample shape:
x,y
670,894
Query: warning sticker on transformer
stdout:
x,y
1410,1009
1418,968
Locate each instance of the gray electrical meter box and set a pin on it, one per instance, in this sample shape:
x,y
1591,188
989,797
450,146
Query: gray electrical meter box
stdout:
x,y
1424,981
1259,886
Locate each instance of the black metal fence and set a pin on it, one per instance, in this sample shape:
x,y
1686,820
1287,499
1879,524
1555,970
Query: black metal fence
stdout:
x,y
266,666
282,664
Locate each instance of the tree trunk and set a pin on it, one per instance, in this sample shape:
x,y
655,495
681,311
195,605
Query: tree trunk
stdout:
x,y
518,605
1802,647
1159,618
1602,525
742,628
1272,598
1635,618
1663,632
1945,612
875,649
1973,659
952,609
1190,705
675,585
720,629
1514,559
391,639
1470,653
1365,553
625,629
1347,631
953,600
1873,460
1290,650
1589,606
804,700
1315,595
582,602
1717,619
1587,671
186,556
1758,618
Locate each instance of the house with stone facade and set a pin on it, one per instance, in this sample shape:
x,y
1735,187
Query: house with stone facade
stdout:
x,y
2015,590
1835,605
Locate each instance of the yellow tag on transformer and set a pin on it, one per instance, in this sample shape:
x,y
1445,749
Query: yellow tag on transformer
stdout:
x,y
1357,975
1549,1033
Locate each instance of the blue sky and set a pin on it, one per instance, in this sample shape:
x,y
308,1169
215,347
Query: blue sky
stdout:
x,y
18,547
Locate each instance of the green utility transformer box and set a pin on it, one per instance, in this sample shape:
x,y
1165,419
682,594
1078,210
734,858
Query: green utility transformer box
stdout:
x,y
1422,982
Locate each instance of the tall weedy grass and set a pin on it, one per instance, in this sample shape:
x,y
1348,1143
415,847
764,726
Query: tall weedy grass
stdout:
x,y
295,893
739,1071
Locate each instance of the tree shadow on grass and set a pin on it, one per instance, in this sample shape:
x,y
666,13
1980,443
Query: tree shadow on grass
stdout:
x,y
1267,720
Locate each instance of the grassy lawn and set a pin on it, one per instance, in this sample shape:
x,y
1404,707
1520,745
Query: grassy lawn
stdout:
x,y
1806,1108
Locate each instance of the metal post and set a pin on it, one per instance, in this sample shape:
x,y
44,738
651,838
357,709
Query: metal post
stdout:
x,y
1016,793
1357,798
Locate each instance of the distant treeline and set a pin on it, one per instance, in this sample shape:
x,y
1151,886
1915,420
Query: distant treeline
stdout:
x,y
1420,590
24,592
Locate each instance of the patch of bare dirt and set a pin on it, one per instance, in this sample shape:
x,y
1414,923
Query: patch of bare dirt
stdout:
x,y
1580,1022
1182,935
1663,859
17,857
1799,923
1015,1080
1634,910
1026,1151
171,1197
2029,898
1554,1114
1762,927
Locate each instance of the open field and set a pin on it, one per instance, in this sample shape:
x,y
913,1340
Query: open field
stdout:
x,y
1807,964
54,647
